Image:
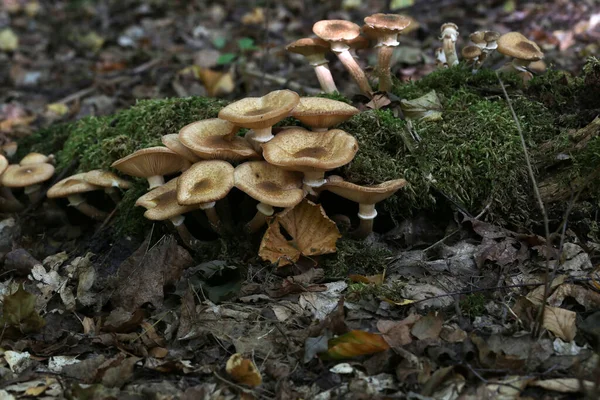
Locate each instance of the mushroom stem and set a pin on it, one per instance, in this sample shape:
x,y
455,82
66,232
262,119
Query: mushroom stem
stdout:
x,y
449,37
211,214
155,181
325,78
262,135
314,178
77,201
32,192
341,50
8,201
260,218
114,195
186,237
384,62
366,214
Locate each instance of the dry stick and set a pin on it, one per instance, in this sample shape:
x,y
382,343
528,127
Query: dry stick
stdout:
x,y
540,317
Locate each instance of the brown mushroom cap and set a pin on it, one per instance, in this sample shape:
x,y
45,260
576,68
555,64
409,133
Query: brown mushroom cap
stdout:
x,y
205,182
214,138
478,37
359,43
10,148
3,164
514,44
388,22
336,30
491,36
171,141
308,46
260,112
35,158
105,179
362,194
450,26
319,112
470,52
297,149
152,161
161,202
269,184
71,185
27,175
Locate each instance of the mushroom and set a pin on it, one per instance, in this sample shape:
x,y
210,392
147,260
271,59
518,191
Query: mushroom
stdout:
x,y
161,204
491,41
440,58
523,51
365,196
36,158
471,54
10,149
312,153
338,33
72,188
203,184
171,141
386,27
314,50
271,186
215,138
8,202
152,163
449,35
358,43
29,177
108,181
320,113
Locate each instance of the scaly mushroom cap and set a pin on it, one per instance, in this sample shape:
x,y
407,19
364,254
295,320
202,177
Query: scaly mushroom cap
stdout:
x,y
10,148
515,45
478,38
362,194
105,179
297,149
171,141
205,182
3,164
214,138
308,46
388,22
35,158
74,184
27,175
260,112
152,161
491,36
336,30
319,113
161,202
269,184
470,52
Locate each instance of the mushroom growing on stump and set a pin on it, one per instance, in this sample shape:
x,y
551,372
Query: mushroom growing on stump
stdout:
x,y
108,181
161,205
449,35
386,28
338,33
29,177
321,114
152,163
171,141
271,186
312,153
72,189
314,49
523,51
36,158
215,138
365,196
8,202
203,184
261,113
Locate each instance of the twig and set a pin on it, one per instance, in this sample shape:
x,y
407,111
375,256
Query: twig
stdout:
x,y
77,95
281,81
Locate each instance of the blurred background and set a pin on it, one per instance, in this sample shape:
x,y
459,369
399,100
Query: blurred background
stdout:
x,y
62,60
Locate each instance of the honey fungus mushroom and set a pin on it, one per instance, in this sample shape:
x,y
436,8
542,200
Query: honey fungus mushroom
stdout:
x,y
314,49
72,188
152,163
30,177
172,142
8,202
110,182
271,186
365,196
449,36
36,158
321,114
522,50
261,113
312,153
203,184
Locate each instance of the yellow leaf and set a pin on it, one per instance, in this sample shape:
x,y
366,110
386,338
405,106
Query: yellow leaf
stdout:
x,y
402,302
243,370
354,344
59,109
8,40
312,233
561,322
375,279
216,83
35,391
254,17
398,4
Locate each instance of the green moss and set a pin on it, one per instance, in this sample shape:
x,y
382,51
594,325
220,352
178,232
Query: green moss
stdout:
x,y
356,257
473,305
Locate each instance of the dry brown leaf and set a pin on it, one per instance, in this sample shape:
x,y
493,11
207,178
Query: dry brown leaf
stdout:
x,y
563,385
397,333
428,327
536,296
312,233
586,297
561,322
216,83
243,370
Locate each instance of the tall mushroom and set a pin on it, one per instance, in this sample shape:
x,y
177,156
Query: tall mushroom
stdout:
x,y
365,196
338,33
522,50
30,177
386,28
203,184
320,113
72,189
449,36
111,183
271,186
314,49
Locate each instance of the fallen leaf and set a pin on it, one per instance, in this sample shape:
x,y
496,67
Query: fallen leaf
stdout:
x,y
216,83
8,40
312,233
355,343
425,108
586,297
428,327
243,370
561,322
19,316
397,333
254,17
57,109
374,279
564,385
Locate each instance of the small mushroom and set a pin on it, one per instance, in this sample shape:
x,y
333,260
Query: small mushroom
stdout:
x,y
312,153
111,183
320,113
338,33
215,138
161,205
471,55
314,49
271,186
36,158
386,27
30,177
440,58
449,35
203,184
171,141
8,202
152,163
365,196
261,113
72,189
10,149
522,50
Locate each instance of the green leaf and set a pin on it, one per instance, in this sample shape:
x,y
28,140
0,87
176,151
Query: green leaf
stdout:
x,y
219,42
225,58
246,44
19,312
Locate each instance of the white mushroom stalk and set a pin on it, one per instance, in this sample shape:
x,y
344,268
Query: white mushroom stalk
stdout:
x,y
184,234
440,58
78,202
342,51
449,36
321,67
260,218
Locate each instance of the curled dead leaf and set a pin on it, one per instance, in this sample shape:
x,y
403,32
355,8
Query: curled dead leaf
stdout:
x,y
561,322
243,370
